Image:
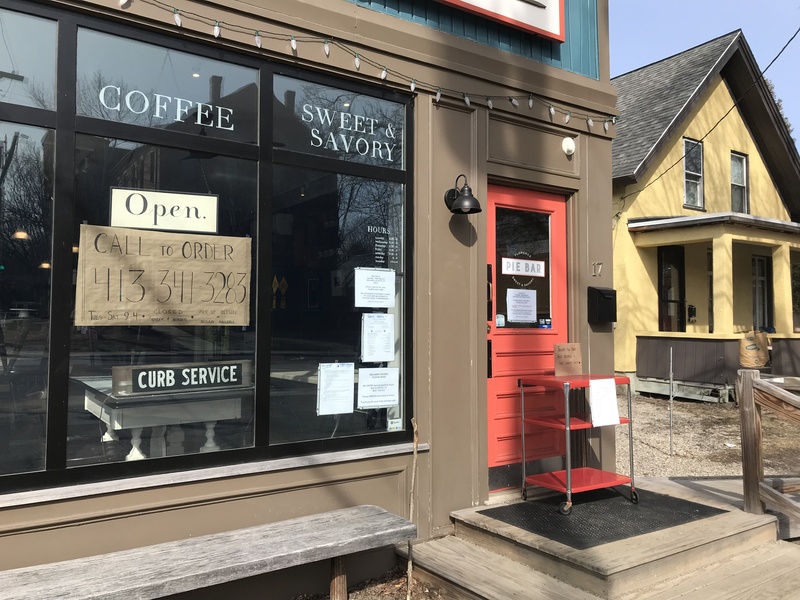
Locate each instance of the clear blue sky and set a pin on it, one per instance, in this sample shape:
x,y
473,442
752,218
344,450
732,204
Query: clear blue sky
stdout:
x,y
645,31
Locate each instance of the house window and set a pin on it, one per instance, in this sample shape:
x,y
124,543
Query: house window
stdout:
x,y
693,173
739,200
762,292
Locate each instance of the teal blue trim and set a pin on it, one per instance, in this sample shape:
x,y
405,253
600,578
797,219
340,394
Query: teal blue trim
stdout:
x,y
578,54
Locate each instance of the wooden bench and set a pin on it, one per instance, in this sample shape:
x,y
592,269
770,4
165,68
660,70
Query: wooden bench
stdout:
x,y
184,565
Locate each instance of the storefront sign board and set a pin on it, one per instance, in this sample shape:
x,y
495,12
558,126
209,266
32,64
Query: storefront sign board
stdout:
x,y
138,277
543,17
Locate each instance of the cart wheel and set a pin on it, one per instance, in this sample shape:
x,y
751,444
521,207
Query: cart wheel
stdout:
x,y
634,497
565,508
524,493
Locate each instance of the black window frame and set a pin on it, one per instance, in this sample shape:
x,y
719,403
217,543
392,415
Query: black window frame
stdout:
x,y
67,124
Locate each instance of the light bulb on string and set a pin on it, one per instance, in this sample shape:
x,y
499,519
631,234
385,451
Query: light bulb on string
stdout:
x,y
125,4
552,110
590,122
357,62
605,126
258,39
466,100
413,85
326,48
489,102
293,43
384,73
514,101
217,29
176,15
438,95
567,117
530,101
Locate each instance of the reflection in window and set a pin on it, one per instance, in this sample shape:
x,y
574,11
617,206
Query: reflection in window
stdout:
x,y
326,226
142,84
26,190
524,237
693,173
27,60
335,123
189,387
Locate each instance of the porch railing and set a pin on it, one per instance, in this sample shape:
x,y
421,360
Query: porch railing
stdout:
x,y
776,394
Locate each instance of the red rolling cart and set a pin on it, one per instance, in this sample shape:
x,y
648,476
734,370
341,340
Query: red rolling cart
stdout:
x,y
580,479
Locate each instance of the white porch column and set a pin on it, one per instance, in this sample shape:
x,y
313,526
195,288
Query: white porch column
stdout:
x,y
722,255
782,289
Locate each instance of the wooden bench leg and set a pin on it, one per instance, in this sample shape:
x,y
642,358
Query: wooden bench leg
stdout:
x,y
338,579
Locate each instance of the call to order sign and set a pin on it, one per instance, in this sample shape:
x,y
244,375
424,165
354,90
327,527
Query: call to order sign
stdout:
x,y
136,277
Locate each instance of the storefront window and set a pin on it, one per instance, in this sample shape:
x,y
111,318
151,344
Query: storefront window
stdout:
x,y
163,348
337,313
335,123
142,84
27,60
26,209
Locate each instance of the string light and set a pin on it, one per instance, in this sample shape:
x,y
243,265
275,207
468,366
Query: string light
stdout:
x,y
178,16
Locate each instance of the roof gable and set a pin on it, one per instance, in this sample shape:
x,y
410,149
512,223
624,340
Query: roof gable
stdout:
x,y
654,100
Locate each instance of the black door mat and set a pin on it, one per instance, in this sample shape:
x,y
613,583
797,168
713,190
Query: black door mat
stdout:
x,y
600,516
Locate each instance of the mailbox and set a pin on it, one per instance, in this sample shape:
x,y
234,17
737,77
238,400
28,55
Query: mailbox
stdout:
x,y
602,305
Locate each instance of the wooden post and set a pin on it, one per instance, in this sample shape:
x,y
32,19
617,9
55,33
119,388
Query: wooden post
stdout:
x,y
752,457
338,579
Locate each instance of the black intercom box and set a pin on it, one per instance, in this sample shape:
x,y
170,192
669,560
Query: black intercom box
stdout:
x,y
602,305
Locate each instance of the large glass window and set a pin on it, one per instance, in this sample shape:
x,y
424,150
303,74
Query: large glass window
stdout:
x,y
671,289
143,84
27,60
137,263
693,173
337,313
26,211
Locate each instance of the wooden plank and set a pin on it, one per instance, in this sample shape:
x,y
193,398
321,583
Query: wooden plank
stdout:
x,y
782,503
752,458
784,403
194,563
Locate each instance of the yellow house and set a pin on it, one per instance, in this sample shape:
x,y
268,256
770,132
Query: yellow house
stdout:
x,y
706,205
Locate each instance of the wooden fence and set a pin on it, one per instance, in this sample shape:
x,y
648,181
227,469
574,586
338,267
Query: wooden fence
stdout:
x,y
777,394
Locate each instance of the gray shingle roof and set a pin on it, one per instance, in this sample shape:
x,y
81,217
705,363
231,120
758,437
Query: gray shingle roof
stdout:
x,y
651,98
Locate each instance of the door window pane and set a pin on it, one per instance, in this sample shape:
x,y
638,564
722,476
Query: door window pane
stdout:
x,y
335,123
26,199
142,84
330,234
523,269
140,389
27,60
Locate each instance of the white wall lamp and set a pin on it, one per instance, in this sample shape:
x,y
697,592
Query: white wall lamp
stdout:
x,y
461,201
568,146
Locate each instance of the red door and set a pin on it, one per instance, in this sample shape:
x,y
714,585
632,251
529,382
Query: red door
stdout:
x,y
526,316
